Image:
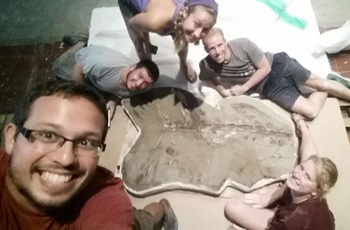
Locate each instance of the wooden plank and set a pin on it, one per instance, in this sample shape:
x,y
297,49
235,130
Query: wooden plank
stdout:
x,y
346,122
343,103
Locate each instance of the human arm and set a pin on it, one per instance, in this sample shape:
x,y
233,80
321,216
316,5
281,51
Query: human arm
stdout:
x,y
263,200
185,66
97,73
154,21
78,73
183,55
307,146
262,70
142,45
141,24
206,75
111,105
219,88
90,67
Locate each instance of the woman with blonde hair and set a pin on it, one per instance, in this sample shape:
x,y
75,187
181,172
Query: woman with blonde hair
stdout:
x,y
301,199
187,21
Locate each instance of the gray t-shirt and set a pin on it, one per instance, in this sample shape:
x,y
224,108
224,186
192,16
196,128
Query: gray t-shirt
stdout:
x,y
245,57
104,67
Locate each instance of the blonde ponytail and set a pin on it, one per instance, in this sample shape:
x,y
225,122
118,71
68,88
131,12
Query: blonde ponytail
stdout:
x,y
179,40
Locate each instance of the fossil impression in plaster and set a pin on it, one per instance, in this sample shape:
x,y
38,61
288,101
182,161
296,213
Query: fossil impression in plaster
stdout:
x,y
184,143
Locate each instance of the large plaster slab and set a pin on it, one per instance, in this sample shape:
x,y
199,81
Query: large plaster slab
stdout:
x,y
184,143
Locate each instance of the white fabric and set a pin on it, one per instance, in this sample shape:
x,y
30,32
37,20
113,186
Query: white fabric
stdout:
x,y
237,18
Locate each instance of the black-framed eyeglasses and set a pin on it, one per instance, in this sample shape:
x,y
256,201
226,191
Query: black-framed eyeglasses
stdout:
x,y
51,141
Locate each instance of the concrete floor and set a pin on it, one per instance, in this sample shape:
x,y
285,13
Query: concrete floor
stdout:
x,y
36,21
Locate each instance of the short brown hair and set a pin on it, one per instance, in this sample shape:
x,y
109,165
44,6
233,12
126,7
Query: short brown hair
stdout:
x,y
151,67
63,89
212,32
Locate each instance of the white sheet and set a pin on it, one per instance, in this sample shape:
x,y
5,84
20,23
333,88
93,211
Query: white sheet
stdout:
x,y
237,18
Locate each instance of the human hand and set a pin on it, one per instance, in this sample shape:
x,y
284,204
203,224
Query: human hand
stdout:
x,y
257,200
225,93
111,107
143,48
237,90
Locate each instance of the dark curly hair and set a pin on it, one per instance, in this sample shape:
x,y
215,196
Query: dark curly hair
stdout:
x,y
64,89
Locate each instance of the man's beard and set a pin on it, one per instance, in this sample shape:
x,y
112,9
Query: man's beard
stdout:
x,y
42,206
127,80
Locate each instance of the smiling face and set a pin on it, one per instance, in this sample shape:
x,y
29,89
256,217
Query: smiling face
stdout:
x,y
43,180
302,179
216,46
138,79
197,24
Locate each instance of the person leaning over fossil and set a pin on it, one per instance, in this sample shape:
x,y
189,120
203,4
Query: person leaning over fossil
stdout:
x,y
186,21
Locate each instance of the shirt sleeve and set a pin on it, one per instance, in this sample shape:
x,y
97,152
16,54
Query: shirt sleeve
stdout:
x,y
92,67
254,53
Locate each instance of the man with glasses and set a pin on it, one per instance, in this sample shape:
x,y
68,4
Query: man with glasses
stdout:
x,y
49,177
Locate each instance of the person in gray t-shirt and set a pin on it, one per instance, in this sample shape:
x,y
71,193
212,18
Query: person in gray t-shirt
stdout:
x,y
276,77
111,72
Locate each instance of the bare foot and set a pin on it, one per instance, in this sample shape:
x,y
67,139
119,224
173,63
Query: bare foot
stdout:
x,y
189,72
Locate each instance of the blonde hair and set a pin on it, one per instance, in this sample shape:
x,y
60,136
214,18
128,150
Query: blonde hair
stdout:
x,y
179,40
326,175
212,32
